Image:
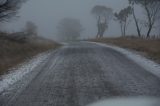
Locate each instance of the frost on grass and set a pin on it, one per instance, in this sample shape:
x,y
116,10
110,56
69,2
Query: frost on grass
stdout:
x,y
17,73
147,64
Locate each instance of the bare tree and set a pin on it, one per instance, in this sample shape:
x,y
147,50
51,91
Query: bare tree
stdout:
x,y
122,18
136,20
69,29
31,29
103,14
8,8
158,25
152,8
159,28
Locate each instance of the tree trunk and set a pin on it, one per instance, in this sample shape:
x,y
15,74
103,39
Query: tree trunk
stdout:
x,y
149,31
101,27
98,32
136,22
121,25
102,33
124,33
150,22
98,26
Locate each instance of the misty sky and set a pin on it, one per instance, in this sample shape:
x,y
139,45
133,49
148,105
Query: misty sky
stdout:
x,y
47,13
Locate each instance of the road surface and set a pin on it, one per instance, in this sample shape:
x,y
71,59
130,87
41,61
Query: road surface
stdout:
x,y
82,73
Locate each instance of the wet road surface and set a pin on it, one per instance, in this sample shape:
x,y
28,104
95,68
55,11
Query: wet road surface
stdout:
x,y
82,73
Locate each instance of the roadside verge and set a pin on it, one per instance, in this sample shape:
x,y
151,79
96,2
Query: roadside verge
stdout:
x,y
147,64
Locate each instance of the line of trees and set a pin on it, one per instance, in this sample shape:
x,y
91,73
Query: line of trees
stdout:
x,y
151,9
123,18
70,28
151,12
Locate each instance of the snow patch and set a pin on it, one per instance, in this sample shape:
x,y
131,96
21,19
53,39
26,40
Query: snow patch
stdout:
x,y
17,73
147,64
131,101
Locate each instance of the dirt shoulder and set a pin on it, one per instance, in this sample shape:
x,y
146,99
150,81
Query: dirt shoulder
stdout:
x,y
149,47
15,51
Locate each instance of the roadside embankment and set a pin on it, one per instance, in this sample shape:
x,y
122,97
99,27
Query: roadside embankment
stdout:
x,y
16,49
148,47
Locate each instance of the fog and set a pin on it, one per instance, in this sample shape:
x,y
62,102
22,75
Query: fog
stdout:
x,y
47,13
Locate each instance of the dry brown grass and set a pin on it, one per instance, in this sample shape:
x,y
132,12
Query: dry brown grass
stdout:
x,y
13,52
150,47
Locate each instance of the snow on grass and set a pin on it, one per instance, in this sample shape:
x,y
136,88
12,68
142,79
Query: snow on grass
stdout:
x,y
147,64
130,101
17,73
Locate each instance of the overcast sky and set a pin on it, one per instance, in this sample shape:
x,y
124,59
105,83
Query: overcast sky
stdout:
x,y
47,13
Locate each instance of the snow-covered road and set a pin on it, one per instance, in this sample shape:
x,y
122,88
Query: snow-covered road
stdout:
x,y
81,73
21,70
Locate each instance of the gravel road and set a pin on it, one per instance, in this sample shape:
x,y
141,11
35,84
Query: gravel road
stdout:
x,y
79,74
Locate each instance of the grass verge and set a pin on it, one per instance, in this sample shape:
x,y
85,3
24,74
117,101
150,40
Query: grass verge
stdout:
x,y
13,52
149,47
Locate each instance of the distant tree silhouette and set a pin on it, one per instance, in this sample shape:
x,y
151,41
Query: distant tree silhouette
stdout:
x,y
103,14
122,18
31,29
69,29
